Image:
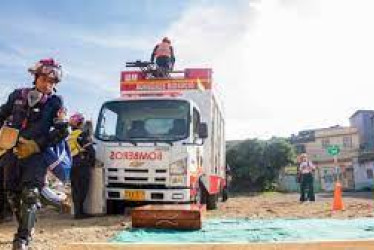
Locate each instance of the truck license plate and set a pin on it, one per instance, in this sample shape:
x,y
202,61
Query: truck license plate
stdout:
x,y
134,195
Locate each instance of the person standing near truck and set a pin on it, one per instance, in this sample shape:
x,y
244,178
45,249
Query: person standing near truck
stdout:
x,y
306,169
83,153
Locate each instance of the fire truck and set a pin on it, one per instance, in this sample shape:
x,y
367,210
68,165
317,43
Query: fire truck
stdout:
x,y
162,140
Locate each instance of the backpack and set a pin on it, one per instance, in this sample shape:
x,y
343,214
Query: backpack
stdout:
x,y
59,160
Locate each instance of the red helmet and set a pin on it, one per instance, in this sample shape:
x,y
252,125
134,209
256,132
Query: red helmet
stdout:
x,y
47,67
77,118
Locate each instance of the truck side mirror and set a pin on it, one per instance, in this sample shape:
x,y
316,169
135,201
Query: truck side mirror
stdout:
x,y
203,130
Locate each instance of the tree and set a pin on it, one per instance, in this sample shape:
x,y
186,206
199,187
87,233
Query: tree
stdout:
x,y
256,164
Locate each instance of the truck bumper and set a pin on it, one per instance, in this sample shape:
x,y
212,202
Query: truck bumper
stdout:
x,y
159,195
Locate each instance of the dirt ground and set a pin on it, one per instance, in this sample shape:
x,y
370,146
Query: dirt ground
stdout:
x,y
54,229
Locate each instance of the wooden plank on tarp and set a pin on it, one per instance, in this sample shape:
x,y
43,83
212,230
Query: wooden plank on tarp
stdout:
x,y
177,216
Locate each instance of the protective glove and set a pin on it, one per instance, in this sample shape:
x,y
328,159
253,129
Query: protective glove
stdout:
x,y
25,148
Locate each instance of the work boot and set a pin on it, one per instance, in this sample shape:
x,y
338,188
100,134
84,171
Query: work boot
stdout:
x,y
31,235
20,244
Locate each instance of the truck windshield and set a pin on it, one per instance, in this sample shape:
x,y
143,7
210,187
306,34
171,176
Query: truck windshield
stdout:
x,y
144,120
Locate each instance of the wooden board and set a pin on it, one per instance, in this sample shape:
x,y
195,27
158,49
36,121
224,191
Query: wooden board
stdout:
x,y
178,216
313,245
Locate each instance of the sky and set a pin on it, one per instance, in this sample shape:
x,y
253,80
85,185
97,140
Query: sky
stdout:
x,y
281,65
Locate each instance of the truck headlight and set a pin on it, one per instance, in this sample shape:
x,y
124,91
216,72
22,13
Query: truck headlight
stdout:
x,y
179,167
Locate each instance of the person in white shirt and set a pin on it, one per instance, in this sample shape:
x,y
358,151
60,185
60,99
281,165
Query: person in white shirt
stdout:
x,y
306,169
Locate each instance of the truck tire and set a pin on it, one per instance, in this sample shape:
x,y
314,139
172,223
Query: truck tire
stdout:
x,y
203,193
211,202
198,196
225,194
113,207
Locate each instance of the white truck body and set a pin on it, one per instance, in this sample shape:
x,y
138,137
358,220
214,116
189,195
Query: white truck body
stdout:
x,y
166,165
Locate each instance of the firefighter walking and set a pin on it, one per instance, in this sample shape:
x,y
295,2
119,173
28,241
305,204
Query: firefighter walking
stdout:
x,y
30,114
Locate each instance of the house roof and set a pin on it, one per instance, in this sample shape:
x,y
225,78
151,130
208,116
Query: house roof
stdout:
x,y
362,111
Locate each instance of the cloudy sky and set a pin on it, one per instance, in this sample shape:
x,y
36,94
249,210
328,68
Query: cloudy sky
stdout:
x,y
282,65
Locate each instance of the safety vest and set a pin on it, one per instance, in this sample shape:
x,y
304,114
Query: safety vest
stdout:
x,y
163,49
75,148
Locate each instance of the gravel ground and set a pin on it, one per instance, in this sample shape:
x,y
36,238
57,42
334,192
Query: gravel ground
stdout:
x,y
54,229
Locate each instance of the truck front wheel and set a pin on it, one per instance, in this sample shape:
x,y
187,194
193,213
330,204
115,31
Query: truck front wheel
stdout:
x,y
225,194
114,207
200,196
211,202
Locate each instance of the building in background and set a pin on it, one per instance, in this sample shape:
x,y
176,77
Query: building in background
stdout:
x,y
363,121
315,143
287,176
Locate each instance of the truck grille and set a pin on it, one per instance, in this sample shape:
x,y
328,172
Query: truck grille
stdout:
x,y
160,179
134,186
127,170
135,179
137,176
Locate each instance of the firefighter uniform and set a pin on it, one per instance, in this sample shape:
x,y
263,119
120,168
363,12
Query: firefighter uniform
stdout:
x,y
83,155
164,54
5,212
25,173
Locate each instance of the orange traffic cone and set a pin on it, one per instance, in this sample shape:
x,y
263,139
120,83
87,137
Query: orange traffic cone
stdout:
x,y
338,201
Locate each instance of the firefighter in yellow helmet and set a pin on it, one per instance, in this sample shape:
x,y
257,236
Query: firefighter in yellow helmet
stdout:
x,y
83,154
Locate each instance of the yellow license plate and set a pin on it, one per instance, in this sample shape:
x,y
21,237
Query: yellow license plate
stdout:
x,y
134,195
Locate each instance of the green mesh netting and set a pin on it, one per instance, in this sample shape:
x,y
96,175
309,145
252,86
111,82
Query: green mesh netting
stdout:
x,y
245,230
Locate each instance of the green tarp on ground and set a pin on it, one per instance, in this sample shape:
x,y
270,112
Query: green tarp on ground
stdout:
x,y
245,230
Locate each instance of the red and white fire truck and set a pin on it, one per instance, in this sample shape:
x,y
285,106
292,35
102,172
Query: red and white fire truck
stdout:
x,y
163,140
